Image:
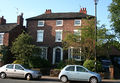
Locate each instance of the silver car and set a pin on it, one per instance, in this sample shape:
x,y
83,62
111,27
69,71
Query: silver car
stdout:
x,y
17,70
78,73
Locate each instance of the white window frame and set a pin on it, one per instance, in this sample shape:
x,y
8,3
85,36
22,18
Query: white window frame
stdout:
x,y
76,31
2,35
56,39
40,31
59,24
42,22
75,22
70,54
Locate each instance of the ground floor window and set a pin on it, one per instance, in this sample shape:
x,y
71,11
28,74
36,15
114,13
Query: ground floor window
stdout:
x,y
44,52
75,53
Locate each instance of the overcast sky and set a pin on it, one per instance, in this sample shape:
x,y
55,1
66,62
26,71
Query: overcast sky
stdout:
x,y
11,8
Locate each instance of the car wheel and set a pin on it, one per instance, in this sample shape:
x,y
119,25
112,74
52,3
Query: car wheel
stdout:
x,y
28,76
93,80
64,79
3,75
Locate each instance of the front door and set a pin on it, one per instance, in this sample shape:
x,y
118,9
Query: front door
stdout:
x,y
57,55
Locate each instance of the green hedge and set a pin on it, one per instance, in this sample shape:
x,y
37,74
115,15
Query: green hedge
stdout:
x,y
90,65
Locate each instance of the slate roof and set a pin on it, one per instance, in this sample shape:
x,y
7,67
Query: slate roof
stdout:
x,y
7,27
54,16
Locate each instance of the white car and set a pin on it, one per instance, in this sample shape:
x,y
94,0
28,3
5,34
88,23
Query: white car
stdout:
x,y
78,73
17,70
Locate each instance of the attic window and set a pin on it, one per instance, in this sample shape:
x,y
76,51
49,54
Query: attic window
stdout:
x,y
40,23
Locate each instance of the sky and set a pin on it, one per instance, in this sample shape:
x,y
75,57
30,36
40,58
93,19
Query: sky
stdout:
x,y
30,8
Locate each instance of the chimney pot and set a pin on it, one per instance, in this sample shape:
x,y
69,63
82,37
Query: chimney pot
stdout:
x,y
83,10
2,20
48,11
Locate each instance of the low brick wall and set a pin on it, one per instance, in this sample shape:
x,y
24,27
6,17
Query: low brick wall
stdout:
x,y
54,72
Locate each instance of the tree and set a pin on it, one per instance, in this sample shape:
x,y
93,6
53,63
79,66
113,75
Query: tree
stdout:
x,y
87,40
114,9
5,54
23,48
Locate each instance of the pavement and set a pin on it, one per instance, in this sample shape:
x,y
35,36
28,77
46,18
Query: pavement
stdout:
x,y
103,80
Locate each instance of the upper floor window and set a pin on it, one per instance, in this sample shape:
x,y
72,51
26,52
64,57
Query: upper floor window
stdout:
x,y
1,38
59,22
40,34
58,36
40,23
77,22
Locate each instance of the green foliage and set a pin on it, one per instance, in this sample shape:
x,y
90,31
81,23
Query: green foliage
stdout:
x,y
5,54
68,62
90,65
114,9
18,62
38,62
23,48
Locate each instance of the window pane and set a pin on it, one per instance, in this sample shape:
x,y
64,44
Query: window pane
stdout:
x,y
70,68
40,36
40,23
59,22
77,22
81,69
1,39
18,67
58,36
9,66
44,53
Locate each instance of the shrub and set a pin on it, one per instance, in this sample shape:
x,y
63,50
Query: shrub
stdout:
x,y
90,65
68,62
38,62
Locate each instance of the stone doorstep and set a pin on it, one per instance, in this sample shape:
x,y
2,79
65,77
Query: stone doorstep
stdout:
x,y
104,80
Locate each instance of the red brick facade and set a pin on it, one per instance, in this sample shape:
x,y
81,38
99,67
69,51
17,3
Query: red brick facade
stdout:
x,y
50,32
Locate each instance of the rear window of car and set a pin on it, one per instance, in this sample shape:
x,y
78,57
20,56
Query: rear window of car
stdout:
x,y
9,66
70,68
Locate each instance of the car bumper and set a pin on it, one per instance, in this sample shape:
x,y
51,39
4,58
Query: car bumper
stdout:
x,y
37,76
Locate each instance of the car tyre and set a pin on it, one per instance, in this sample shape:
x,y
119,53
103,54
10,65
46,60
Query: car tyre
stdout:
x,y
93,80
3,75
28,77
64,79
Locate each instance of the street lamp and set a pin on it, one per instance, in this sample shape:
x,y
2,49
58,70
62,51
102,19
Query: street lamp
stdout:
x,y
95,1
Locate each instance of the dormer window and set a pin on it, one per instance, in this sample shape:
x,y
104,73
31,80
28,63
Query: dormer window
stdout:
x,y
77,22
59,22
40,23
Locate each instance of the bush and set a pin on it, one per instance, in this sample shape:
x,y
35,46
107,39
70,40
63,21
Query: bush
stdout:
x,y
90,65
68,62
38,62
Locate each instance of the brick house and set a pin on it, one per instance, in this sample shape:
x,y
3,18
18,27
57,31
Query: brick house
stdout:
x,y
48,30
10,31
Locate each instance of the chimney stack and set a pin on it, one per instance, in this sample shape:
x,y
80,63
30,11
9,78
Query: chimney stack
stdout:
x,y
2,20
20,19
83,10
48,11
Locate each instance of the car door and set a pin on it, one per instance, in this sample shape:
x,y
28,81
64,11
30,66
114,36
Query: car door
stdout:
x,y
19,71
82,74
70,72
9,70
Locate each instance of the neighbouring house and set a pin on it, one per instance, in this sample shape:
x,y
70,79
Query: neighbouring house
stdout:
x,y
49,29
10,31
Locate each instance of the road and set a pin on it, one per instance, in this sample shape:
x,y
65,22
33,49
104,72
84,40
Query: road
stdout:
x,y
46,80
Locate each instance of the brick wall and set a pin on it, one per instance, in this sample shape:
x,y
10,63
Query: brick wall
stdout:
x,y
49,30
